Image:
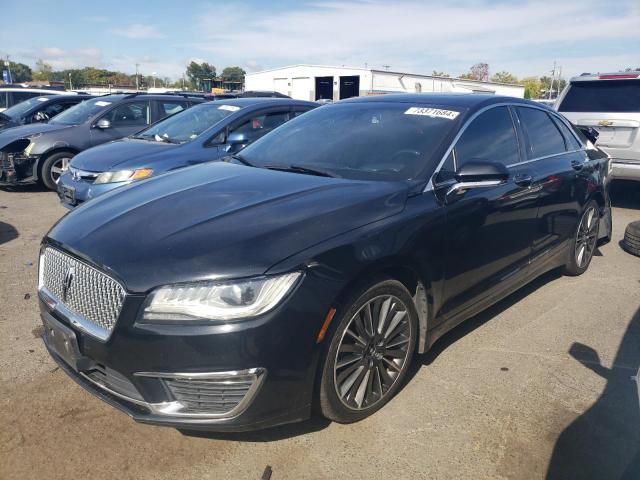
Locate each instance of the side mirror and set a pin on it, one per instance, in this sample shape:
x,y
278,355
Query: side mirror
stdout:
x,y
591,133
478,174
103,124
237,141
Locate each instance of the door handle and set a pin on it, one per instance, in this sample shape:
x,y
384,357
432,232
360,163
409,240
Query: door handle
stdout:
x,y
577,164
523,179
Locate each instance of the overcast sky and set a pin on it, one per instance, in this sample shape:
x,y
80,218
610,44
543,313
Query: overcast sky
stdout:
x,y
523,37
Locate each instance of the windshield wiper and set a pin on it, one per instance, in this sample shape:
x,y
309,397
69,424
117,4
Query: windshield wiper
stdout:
x,y
301,169
241,159
165,139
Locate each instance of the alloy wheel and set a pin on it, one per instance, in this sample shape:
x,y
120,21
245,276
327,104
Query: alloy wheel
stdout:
x,y
60,166
586,237
372,352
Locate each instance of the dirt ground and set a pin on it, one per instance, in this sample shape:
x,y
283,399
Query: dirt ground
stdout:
x,y
539,386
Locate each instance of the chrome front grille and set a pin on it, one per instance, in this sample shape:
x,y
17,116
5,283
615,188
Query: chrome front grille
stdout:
x,y
85,291
213,396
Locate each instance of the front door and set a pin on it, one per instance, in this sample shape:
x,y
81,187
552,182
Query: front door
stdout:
x,y
124,120
490,229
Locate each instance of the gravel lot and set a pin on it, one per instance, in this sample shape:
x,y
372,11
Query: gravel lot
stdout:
x,y
539,386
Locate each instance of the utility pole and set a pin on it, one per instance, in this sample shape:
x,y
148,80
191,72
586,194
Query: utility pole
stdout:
x,y
137,87
386,67
553,76
70,84
10,77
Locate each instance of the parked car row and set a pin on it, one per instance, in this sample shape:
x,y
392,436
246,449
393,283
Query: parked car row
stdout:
x,y
303,270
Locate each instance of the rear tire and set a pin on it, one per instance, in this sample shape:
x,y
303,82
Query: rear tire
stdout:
x,y
369,353
584,241
53,167
631,242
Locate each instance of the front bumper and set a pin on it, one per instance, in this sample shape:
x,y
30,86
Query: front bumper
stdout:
x,y
625,169
17,170
129,371
73,192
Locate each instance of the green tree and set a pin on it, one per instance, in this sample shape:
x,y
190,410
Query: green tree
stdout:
x,y
531,87
19,72
545,86
504,77
435,73
479,72
197,72
233,74
43,71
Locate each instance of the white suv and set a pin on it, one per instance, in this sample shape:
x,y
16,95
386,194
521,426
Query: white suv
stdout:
x,y
610,103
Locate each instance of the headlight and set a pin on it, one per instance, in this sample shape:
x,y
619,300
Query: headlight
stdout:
x,y
123,176
27,151
212,300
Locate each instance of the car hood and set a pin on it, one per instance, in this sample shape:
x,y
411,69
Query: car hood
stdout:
x,y
25,131
218,220
122,155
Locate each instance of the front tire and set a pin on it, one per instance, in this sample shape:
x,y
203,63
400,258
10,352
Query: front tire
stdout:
x,y
584,241
370,352
53,167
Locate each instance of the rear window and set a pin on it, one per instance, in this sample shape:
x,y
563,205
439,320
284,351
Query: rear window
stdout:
x,y
602,96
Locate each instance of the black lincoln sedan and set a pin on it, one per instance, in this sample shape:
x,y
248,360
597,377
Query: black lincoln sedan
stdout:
x,y
307,270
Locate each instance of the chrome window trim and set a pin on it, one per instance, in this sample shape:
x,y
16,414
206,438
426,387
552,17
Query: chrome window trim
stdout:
x,y
430,184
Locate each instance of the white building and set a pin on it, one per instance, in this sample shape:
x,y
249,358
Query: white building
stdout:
x,y
316,82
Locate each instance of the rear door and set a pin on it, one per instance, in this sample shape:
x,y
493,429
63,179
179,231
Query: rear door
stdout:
x,y
562,179
611,106
489,230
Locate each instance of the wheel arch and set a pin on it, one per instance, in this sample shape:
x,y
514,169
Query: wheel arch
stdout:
x,y
402,270
43,156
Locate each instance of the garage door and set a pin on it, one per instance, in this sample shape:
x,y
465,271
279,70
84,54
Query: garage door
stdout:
x,y
301,88
281,85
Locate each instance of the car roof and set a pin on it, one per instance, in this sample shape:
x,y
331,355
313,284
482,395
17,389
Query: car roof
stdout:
x,y
470,101
44,91
261,101
589,77
79,96
149,96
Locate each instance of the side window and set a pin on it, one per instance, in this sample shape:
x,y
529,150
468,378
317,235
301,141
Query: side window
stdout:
x,y
53,110
18,97
541,132
447,170
491,137
169,108
3,100
259,125
129,114
572,142
297,113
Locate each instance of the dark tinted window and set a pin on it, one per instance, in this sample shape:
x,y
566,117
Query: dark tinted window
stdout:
x,y
169,108
491,137
259,125
22,96
602,96
543,136
133,113
572,142
3,99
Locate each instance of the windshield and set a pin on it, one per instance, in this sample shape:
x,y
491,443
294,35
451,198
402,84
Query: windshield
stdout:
x,y
21,108
602,96
82,112
187,125
366,141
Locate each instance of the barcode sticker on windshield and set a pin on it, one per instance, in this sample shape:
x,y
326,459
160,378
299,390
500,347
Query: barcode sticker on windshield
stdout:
x,y
231,108
43,99
102,103
432,112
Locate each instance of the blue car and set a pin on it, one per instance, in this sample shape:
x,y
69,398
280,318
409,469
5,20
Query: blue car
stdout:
x,y
206,132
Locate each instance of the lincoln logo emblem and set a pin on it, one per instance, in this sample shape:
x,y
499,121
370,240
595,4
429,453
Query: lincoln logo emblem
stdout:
x,y
66,284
